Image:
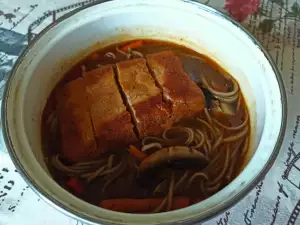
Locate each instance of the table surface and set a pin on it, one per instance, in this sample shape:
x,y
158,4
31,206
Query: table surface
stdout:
x,y
275,200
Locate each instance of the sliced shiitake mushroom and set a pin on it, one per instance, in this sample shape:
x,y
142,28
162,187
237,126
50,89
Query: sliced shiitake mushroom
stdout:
x,y
177,157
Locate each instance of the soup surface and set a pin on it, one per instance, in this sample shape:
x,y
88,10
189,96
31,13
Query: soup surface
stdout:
x,y
145,127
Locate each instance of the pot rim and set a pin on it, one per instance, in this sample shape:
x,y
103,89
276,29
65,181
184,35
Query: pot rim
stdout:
x,y
77,215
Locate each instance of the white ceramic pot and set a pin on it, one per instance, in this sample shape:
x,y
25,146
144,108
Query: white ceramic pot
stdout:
x,y
184,22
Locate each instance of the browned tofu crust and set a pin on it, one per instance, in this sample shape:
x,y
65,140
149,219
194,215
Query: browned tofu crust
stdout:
x,y
112,123
150,113
77,136
186,97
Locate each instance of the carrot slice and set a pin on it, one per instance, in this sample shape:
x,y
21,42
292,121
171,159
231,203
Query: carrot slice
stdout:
x,y
129,205
75,185
137,153
132,45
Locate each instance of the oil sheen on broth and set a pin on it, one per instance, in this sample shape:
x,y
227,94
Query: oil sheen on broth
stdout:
x,y
145,127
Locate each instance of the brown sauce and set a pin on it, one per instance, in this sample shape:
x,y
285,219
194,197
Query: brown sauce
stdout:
x,y
222,122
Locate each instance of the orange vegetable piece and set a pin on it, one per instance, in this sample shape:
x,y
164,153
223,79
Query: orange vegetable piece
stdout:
x,y
132,45
137,153
75,185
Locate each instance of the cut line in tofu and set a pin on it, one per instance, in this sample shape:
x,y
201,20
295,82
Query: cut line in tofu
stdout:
x,y
77,135
186,97
111,121
151,115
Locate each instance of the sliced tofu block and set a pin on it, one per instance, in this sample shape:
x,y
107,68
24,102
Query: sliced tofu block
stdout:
x,y
112,123
150,113
185,96
76,129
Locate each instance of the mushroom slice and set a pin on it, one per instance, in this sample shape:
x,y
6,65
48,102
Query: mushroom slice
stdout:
x,y
223,107
180,157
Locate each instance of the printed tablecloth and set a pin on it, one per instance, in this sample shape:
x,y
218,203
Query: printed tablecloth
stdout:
x,y
275,200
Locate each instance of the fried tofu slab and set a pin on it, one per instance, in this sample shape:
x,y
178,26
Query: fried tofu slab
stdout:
x,y
76,130
110,119
110,109
186,97
150,113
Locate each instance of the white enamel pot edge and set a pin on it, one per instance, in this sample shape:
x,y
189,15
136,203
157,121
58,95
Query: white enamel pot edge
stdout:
x,y
23,102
